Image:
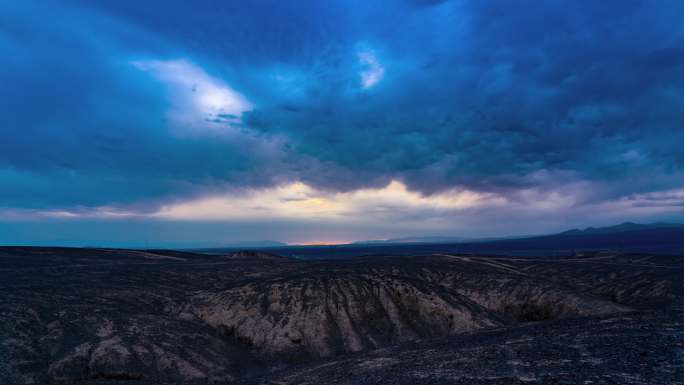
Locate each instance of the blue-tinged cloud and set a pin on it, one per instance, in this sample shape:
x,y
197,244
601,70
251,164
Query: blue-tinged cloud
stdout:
x,y
199,102
86,122
136,105
485,94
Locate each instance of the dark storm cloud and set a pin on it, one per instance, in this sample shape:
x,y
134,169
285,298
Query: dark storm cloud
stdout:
x,y
81,126
489,95
483,94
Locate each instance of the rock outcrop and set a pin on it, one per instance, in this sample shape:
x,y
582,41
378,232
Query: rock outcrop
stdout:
x,y
309,317
324,314
108,316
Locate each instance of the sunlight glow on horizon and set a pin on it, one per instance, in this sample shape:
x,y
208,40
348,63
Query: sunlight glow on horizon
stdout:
x,y
298,200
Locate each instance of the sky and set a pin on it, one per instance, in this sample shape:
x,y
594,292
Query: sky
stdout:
x,y
201,123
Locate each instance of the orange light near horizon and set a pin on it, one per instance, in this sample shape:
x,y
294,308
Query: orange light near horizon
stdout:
x,y
321,243
302,201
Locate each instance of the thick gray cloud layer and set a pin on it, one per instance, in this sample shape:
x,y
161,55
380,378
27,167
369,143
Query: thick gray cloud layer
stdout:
x,y
493,96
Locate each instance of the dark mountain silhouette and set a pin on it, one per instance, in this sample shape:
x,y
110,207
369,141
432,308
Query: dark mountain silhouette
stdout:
x,y
665,238
623,227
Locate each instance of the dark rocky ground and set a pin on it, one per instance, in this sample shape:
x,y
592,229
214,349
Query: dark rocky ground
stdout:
x,y
93,316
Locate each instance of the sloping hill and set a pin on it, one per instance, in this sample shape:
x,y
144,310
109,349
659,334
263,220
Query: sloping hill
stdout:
x,y
127,315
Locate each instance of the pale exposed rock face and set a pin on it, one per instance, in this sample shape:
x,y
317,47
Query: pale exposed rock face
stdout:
x,y
525,300
107,315
130,351
323,316
319,315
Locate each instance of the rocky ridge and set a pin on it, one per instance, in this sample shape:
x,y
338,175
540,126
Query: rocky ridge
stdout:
x,y
102,316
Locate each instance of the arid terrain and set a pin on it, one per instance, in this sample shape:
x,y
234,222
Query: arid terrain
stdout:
x,y
100,316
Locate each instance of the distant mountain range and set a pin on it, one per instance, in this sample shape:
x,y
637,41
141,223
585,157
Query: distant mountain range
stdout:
x,y
663,238
629,237
431,239
623,227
